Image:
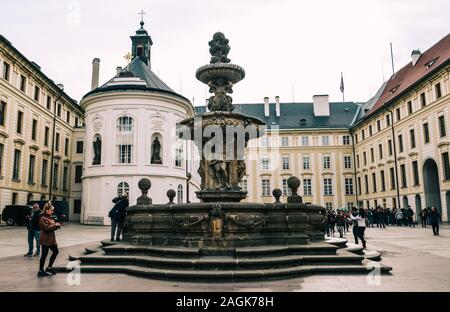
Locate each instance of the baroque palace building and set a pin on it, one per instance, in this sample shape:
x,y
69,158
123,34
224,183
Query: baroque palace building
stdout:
x,y
38,124
391,151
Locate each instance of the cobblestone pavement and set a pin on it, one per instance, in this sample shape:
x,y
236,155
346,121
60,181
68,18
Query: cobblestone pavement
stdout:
x,y
420,262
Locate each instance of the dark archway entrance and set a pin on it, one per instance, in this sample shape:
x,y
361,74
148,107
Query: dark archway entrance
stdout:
x,y
418,203
431,185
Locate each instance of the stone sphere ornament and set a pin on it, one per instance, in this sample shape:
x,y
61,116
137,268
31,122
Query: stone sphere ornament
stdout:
x,y
277,194
293,182
171,195
144,184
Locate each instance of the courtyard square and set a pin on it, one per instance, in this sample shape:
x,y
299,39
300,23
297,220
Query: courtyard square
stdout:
x,y
419,261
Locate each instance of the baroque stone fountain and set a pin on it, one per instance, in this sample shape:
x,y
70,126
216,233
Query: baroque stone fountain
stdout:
x,y
221,238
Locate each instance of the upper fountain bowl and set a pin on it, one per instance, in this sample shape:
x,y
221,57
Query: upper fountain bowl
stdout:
x,y
230,72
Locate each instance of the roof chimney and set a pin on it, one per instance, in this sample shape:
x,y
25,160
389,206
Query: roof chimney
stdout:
x,y
277,106
266,107
321,105
415,56
95,73
118,70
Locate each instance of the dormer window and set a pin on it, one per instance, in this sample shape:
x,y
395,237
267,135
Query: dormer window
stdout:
x,y
431,63
303,122
394,89
140,51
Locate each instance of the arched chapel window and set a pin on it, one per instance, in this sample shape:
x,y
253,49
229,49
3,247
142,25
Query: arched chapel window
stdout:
x,y
122,188
180,194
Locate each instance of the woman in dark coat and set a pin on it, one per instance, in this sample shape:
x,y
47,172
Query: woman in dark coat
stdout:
x,y
435,218
117,215
47,239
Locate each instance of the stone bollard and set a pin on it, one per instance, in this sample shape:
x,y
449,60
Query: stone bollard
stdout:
x,y
277,194
144,185
171,194
294,184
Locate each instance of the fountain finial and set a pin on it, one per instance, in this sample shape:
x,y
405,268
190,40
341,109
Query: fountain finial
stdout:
x,y
219,49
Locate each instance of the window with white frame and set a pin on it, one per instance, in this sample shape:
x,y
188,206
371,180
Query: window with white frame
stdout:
x,y
284,141
180,194
348,186
124,139
326,162
305,141
179,154
325,140
306,163
307,187
243,185
265,163
347,162
122,188
327,187
285,188
346,140
285,162
265,186
329,206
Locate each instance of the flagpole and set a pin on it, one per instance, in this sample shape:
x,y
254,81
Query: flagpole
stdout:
x,y
342,87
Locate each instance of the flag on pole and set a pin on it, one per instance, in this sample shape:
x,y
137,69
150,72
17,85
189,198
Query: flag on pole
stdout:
x,y
342,83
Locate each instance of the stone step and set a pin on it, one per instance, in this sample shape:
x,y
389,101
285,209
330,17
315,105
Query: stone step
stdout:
x,y
124,249
214,263
228,275
313,249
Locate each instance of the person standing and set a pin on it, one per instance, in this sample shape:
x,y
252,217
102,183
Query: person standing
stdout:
x,y
117,215
340,222
399,217
435,218
410,217
47,239
33,231
424,217
360,219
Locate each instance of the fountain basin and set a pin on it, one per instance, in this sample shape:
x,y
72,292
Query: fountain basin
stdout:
x,y
230,72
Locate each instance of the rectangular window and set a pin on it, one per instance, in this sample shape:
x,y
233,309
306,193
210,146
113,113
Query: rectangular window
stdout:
x,y
16,165
374,182
392,175
366,182
44,172
80,147
390,147
49,102
306,163
68,117
415,169
34,129
2,148
37,94
410,110
423,100
179,156
57,142
19,122
307,187
2,113
437,89
265,163
31,169
357,161
305,141
399,114
388,120
77,206
325,140
442,130
66,147
346,140
78,173
403,176
378,125
23,83
326,162
446,165
365,158
59,110
265,185
412,138
65,177
370,131
284,141
76,122
124,154
383,181
55,176
348,186
46,134
329,206
347,162
400,143
380,151
327,187
372,156
356,138
285,162
363,134
6,71
285,189
359,186
243,185
426,133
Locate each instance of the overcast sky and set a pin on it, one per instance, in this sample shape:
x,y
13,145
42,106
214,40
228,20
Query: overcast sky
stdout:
x,y
290,48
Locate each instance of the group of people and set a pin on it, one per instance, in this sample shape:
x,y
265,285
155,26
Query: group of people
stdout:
x,y
381,217
41,228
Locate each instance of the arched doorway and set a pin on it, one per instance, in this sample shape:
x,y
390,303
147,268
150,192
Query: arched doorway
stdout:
x,y
418,201
431,185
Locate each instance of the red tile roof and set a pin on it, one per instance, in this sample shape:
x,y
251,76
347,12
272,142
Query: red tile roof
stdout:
x,y
409,75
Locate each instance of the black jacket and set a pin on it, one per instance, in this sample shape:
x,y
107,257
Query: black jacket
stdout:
x,y
33,221
119,211
435,217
